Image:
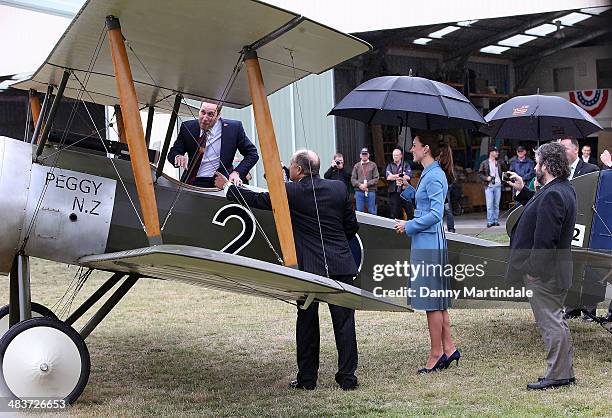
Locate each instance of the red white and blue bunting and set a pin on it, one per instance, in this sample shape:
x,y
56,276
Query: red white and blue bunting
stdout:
x,y
593,101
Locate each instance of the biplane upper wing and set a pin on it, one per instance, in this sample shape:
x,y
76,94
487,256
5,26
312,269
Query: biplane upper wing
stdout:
x,y
234,273
192,47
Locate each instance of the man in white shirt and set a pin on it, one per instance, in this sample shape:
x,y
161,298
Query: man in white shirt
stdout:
x,y
586,155
577,166
210,143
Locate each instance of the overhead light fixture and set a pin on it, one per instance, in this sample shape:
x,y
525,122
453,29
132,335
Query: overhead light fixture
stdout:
x,y
494,49
442,32
422,41
542,30
467,23
517,40
573,18
596,10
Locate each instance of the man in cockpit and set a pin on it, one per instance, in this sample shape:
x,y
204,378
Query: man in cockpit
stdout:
x,y
211,143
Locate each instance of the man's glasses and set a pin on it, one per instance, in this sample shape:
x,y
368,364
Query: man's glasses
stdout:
x,y
210,114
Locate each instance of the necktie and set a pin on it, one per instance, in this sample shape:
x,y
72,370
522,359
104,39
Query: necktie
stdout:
x,y
197,160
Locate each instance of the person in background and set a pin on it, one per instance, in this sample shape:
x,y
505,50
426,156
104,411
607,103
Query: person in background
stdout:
x,y
364,179
285,172
540,258
398,175
338,172
448,213
577,166
429,247
490,174
523,165
586,155
606,160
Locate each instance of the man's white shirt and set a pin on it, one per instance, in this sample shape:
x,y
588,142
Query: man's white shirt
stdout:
x,y
573,168
212,153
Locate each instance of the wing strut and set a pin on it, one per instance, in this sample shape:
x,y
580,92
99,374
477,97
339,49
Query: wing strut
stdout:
x,y
164,151
271,158
133,131
43,114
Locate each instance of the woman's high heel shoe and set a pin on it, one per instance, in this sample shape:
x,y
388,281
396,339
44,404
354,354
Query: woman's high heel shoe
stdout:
x,y
440,365
453,357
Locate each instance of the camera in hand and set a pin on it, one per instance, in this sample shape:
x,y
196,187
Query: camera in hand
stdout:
x,y
506,176
401,174
338,162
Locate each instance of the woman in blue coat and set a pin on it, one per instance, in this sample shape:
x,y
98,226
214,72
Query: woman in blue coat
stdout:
x,y
428,247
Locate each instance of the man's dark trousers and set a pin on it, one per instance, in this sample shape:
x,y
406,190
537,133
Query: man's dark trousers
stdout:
x,y
307,337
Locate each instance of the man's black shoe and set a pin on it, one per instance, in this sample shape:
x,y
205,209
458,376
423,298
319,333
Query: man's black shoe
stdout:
x,y
549,383
572,313
451,230
489,225
496,224
294,384
571,379
351,386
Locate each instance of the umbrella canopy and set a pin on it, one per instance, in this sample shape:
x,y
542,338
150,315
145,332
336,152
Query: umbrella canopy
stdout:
x,y
409,101
539,118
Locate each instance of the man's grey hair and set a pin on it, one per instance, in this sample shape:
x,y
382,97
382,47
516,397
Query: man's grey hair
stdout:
x,y
308,160
553,156
574,141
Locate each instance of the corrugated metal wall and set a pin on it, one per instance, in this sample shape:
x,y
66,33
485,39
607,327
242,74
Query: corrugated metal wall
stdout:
x,y
299,114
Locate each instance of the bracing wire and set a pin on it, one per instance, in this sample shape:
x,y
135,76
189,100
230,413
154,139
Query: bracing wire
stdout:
x,y
92,62
113,162
314,193
221,101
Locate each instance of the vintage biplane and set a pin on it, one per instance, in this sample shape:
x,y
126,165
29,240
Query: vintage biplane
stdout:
x,y
84,205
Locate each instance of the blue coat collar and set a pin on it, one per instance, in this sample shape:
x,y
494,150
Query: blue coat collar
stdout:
x,y
430,167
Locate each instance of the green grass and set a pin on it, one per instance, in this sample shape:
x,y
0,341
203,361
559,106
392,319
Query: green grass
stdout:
x,y
170,349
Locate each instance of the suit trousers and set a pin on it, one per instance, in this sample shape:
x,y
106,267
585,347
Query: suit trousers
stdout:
x,y
308,342
547,305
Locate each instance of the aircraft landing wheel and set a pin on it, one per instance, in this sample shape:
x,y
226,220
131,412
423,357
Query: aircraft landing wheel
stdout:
x,y
38,310
44,358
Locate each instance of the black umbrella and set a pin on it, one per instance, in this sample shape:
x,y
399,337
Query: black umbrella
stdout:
x,y
539,118
409,101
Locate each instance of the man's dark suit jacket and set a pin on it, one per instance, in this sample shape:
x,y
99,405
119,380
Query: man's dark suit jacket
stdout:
x,y
233,138
338,223
583,168
540,242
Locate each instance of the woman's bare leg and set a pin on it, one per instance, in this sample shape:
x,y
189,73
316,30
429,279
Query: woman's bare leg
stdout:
x,y
447,339
435,325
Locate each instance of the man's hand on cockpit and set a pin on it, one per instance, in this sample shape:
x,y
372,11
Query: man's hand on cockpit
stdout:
x,y
180,161
235,178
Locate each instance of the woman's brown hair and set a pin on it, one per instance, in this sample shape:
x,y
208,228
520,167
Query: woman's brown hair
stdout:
x,y
441,151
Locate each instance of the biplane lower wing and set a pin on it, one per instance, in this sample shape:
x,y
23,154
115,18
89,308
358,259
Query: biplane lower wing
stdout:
x,y
234,273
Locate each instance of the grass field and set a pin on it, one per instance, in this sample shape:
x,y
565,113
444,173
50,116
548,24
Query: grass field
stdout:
x,y
170,349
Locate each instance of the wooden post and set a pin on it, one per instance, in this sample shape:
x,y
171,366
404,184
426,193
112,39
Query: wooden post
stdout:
x,y
120,126
34,106
379,149
271,159
134,133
